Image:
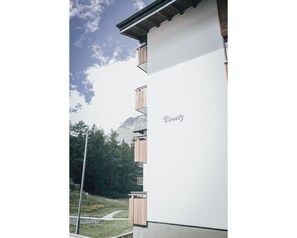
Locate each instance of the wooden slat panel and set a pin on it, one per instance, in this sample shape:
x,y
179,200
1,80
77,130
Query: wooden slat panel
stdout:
x,y
136,151
143,151
140,99
139,56
131,210
141,96
144,98
140,211
226,66
136,100
142,55
140,151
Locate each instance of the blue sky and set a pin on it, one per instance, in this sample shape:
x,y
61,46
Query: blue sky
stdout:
x,y
94,38
95,43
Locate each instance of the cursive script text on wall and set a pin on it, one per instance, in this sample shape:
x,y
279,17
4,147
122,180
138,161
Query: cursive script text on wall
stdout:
x,y
179,118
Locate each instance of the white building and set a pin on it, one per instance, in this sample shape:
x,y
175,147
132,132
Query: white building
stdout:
x,y
184,152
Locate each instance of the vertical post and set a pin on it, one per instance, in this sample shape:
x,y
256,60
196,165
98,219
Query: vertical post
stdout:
x,y
82,184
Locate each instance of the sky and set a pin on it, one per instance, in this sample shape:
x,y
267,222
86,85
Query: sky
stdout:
x,y
103,67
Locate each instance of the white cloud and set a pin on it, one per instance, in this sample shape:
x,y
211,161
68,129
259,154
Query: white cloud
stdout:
x,y
99,54
115,55
76,101
103,59
89,11
114,99
138,4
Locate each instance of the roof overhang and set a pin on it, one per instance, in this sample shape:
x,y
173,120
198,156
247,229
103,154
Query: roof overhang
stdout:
x,y
138,25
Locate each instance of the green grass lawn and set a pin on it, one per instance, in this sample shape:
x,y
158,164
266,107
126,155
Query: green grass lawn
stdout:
x,y
95,206
122,214
103,229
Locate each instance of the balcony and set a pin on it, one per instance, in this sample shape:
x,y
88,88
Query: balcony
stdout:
x,y
140,150
142,58
140,100
138,208
140,131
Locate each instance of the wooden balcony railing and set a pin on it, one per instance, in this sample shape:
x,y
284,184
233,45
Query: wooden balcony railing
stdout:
x,y
142,58
138,208
140,99
142,55
226,66
140,150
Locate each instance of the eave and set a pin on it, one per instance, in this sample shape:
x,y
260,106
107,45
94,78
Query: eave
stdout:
x,y
138,25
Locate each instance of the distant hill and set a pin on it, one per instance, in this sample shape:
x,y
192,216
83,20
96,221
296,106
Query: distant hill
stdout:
x,y
125,131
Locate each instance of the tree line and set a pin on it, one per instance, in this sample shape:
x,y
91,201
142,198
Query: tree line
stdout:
x,y
110,167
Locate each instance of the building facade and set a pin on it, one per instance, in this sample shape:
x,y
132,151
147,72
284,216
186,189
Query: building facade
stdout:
x,y
184,151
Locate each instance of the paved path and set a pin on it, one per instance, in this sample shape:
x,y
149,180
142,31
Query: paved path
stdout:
x,y
109,217
71,235
86,220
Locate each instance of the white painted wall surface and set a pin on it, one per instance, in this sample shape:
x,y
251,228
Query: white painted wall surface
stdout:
x,y
185,37
186,172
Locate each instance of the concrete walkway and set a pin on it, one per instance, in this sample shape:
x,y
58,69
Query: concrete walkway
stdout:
x,y
87,220
109,217
71,235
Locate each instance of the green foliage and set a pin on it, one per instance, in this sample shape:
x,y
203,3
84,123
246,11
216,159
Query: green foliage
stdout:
x,y
71,184
103,229
110,167
96,206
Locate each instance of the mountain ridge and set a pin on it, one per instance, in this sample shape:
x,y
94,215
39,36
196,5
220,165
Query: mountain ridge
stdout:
x,y
125,131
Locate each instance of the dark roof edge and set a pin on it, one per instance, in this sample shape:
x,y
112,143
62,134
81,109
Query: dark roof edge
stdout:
x,y
142,13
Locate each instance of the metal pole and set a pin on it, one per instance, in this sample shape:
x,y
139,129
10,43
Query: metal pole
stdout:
x,y
82,184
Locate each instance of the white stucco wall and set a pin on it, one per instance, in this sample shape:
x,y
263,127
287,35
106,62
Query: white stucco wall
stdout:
x,y
185,37
186,172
